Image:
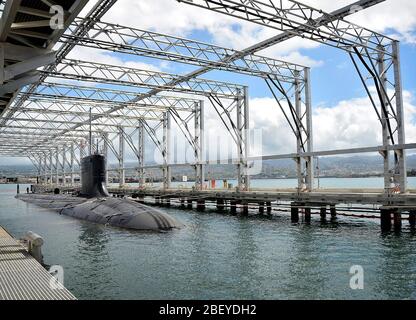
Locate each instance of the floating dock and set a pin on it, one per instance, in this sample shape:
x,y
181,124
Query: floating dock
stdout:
x,y
22,277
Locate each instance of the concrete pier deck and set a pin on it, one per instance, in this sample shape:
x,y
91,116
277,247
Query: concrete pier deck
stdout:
x,y
316,198
24,278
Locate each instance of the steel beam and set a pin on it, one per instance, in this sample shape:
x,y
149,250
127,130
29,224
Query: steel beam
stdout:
x,y
166,150
141,154
199,145
117,75
122,172
122,39
297,19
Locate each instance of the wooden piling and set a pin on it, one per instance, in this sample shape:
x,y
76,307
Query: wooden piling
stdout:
x,y
244,209
200,205
166,202
412,218
333,211
261,208
323,213
308,215
294,211
269,208
233,207
189,205
385,215
220,205
397,216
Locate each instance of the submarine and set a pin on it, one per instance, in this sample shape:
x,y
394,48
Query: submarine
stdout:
x,y
94,203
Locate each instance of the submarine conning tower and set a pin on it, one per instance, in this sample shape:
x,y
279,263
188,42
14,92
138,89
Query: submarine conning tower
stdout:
x,y
93,176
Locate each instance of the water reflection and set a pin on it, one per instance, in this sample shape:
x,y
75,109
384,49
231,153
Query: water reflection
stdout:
x,y
306,264
95,265
396,272
219,256
245,259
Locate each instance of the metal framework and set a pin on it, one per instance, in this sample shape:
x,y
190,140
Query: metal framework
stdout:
x,y
375,57
27,40
290,81
72,108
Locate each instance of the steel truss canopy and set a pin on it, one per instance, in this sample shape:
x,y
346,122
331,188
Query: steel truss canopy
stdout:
x,y
376,58
53,108
122,39
298,19
116,75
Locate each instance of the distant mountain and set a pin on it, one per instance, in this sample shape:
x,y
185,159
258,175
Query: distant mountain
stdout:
x,y
328,166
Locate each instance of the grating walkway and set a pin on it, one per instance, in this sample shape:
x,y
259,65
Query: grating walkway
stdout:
x,y
22,277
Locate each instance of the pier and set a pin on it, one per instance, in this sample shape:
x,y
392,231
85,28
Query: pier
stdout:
x,y
390,209
22,277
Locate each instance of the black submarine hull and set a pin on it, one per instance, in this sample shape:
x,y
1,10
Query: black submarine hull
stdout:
x,y
94,203
115,212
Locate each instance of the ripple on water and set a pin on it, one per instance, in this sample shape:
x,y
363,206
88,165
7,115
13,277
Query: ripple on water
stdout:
x,y
221,257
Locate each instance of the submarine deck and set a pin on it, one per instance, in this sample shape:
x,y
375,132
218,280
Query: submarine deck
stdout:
x,y
24,278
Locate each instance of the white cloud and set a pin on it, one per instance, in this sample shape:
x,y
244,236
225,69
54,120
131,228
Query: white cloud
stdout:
x,y
349,124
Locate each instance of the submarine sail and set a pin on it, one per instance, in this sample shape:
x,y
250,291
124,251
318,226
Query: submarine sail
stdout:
x,y
93,177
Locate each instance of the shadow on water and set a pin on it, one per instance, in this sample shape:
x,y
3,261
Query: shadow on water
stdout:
x,y
305,276
95,265
396,272
222,256
246,259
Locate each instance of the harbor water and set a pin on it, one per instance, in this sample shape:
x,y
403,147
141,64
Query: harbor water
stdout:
x,y
219,256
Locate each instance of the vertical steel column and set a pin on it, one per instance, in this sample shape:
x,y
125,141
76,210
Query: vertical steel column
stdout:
x,y
45,172
199,145
298,106
242,139
64,163
166,150
105,153
82,155
140,149
57,165
384,122
309,127
121,170
72,163
401,153
51,166
246,132
40,169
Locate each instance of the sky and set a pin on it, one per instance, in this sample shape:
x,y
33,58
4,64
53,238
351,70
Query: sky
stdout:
x,y
342,114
